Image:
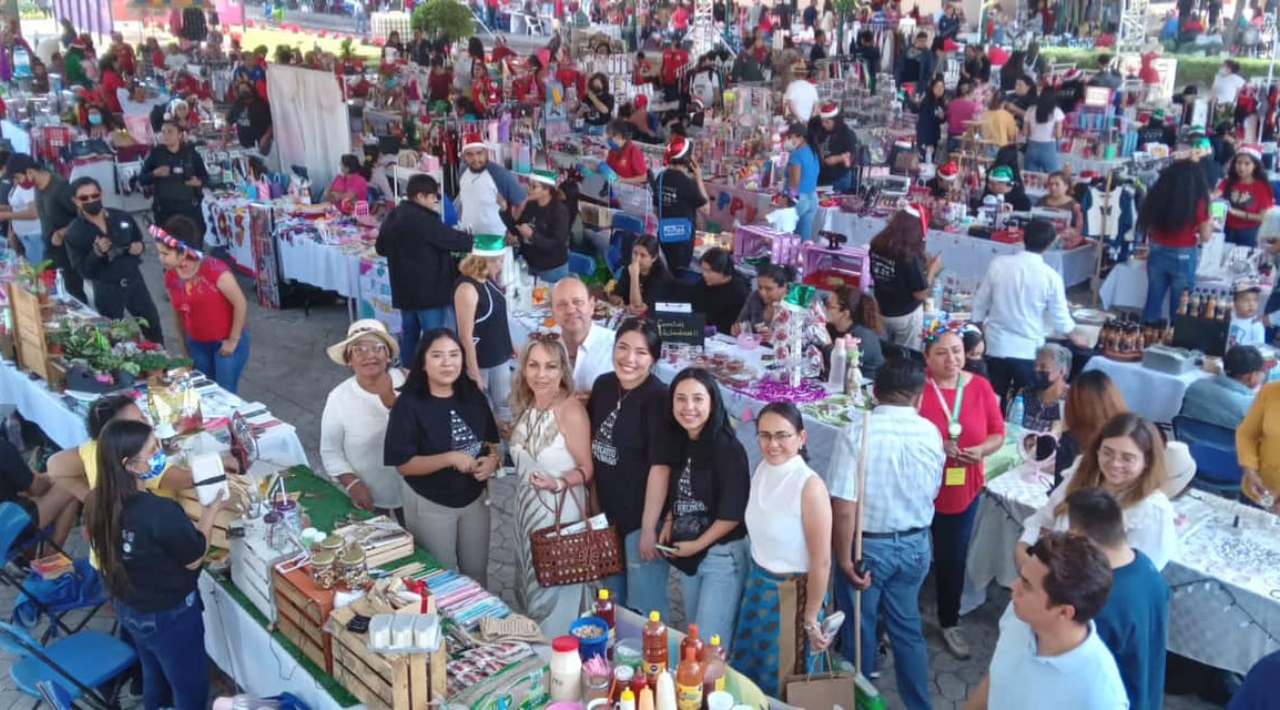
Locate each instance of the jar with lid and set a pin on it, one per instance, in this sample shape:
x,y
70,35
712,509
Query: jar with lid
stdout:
x,y
622,677
324,569
351,568
566,670
333,543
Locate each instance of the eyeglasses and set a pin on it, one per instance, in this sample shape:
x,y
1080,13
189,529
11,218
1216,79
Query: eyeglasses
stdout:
x,y
89,198
369,349
780,437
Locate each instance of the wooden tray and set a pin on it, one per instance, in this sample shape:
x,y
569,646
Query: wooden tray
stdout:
x,y
405,682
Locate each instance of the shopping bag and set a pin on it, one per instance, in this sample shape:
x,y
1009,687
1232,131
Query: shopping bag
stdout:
x,y
821,691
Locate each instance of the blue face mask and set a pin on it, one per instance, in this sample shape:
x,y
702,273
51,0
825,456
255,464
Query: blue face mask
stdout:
x,y
156,465
95,119
614,145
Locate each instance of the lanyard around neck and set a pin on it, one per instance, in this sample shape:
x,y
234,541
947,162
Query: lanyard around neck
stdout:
x,y
953,413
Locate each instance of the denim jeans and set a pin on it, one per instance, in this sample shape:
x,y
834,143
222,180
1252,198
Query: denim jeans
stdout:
x,y
1042,157
170,646
413,324
225,370
950,551
643,585
711,596
551,276
898,569
32,246
1170,271
806,210
1247,237
844,184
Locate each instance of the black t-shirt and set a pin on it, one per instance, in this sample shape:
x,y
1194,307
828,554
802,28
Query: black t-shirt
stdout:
x,y
654,288
679,195
721,304
56,207
157,542
251,119
628,435
598,118
423,425
709,482
834,143
117,263
896,282
15,475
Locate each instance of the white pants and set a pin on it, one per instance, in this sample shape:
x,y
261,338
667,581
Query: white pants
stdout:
x,y
906,330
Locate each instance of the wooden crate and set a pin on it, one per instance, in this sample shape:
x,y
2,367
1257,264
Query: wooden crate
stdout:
x,y
407,682
302,608
29,335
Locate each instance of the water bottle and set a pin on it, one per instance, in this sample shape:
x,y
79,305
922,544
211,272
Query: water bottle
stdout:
x,y
1015,412
839,363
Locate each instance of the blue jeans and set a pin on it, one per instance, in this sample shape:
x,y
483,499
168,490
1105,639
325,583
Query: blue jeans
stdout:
x,y
1170,271
843,185
225,370
1042,157
898,569
413,324
806,210
711,596
170,646
643,586
1242,237
33,246
553,275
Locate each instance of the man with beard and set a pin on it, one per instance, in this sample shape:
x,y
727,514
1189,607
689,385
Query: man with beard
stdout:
x,y
835,143
251,115
484,188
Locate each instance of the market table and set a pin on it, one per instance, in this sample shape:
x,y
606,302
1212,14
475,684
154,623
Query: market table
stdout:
x,y
1225,578
963,257
1153,394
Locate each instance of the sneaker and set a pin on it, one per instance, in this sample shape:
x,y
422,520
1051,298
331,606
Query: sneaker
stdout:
x,y
955,643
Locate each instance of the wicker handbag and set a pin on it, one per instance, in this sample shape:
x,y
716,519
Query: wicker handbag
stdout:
x,y
574,558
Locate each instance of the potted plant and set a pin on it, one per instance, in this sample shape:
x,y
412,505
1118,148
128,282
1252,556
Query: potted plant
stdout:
x,y
56,338
153,364
33,276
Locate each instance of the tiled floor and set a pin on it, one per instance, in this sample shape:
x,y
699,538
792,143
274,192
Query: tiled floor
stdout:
x,y
290,373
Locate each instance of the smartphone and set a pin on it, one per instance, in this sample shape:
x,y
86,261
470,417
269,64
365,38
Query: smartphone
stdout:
x,y
667,549
832,624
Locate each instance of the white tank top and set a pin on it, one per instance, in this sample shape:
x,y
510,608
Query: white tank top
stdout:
x,y
774,519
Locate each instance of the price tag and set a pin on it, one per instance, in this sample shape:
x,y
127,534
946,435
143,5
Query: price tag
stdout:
x,y
954,476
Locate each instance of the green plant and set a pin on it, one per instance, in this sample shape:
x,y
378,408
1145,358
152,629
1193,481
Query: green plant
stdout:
x,y
449,18
843,8
125,330
33,275
85,342
150,362
179,362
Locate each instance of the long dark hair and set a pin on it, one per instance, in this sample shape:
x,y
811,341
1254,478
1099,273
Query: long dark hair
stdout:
x,y
787,411
118,442
104,410
861,306
929,98
717,421
1228,182
1175,199
901,239
647,330
464,388
1046,104
650,244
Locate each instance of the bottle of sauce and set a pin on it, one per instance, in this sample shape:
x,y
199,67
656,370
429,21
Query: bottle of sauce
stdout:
x,y
664,694
1211,306
713,666
691,640
689,686
638,683
604,610
1183,302
627,701
655,647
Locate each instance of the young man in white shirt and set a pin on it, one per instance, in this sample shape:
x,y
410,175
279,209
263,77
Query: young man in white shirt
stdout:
x,y
1049,655
590,346
904,472
1020,302
1227,84
801,97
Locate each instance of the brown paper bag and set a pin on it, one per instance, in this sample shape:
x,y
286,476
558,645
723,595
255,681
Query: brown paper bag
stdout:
x,y
821,691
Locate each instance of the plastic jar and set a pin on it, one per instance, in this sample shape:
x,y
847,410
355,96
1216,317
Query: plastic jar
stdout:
x,y
351,568
566,669
324,570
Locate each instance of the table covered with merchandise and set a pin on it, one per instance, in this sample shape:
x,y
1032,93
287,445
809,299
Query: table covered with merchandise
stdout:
x,y
1224,608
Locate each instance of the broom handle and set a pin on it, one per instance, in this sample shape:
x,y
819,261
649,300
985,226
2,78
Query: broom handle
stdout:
x,y
857,537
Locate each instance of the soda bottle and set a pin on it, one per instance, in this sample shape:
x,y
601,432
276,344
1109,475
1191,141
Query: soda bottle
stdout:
x,y
655,647
689,681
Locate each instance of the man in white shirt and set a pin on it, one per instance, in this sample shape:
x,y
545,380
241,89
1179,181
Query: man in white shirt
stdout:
x,y
1227,84
1020,301
484,188
1049,654
801,97
590,346
904,473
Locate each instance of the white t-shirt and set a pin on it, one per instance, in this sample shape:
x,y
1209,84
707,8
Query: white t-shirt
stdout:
x,y
353,427
1226,86
803,96
1043,132
19,199
478,200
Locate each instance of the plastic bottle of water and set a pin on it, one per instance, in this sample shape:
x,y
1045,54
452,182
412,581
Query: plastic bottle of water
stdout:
x,y
839,362
1015,412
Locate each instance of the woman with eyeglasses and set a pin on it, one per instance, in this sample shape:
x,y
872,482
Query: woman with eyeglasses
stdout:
x,y
149,554
967,413
631,457
788,516
353,426
442,438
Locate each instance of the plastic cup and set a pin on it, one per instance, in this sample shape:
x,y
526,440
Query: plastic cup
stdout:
x,y
591,645
719,700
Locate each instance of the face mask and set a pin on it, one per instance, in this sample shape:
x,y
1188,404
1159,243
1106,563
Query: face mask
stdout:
x,y
156,465
95,119
92,208
614,145
1042,379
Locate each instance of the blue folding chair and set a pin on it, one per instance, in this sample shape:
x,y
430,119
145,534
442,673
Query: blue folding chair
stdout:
x,y
581,264
1213,448
77,666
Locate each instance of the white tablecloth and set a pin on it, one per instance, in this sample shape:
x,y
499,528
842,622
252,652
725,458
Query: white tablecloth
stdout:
x,y
1155,395
963,257
1225,607
278,445
321,265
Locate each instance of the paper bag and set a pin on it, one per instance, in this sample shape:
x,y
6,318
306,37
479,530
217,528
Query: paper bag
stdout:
x,y
820,691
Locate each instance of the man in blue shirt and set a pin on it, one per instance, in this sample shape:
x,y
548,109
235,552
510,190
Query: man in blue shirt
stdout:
x,y
1224,399
802,178
1134,622
1261,687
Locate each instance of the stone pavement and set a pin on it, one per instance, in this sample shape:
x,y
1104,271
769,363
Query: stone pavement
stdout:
x,y
289,371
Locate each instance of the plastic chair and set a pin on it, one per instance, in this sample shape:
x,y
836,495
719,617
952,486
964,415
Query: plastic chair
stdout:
x,y
581,264
1214,449
76,665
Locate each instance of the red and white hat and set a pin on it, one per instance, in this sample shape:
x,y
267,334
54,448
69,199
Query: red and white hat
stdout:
x,y
1253,150
949,170
829,110
1073,74
642,102
473,140
921,213
677,148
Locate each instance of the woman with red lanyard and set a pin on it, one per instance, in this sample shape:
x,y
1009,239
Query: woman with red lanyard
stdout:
x,y
207,300
966,411
1249,193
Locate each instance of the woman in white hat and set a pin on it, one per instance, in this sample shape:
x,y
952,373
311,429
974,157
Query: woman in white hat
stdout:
x,y
481,308
354,424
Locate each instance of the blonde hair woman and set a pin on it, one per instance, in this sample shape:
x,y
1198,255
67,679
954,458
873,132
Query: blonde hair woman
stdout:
x,y
481,308
551,448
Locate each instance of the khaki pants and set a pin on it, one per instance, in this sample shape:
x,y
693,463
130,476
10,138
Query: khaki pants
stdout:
x,y
457,537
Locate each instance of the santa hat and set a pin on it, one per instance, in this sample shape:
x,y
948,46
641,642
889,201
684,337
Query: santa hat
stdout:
x,y
678,148
642,102
1253,150
829,110
473,140
546,177
1072,75
949,170
921,213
